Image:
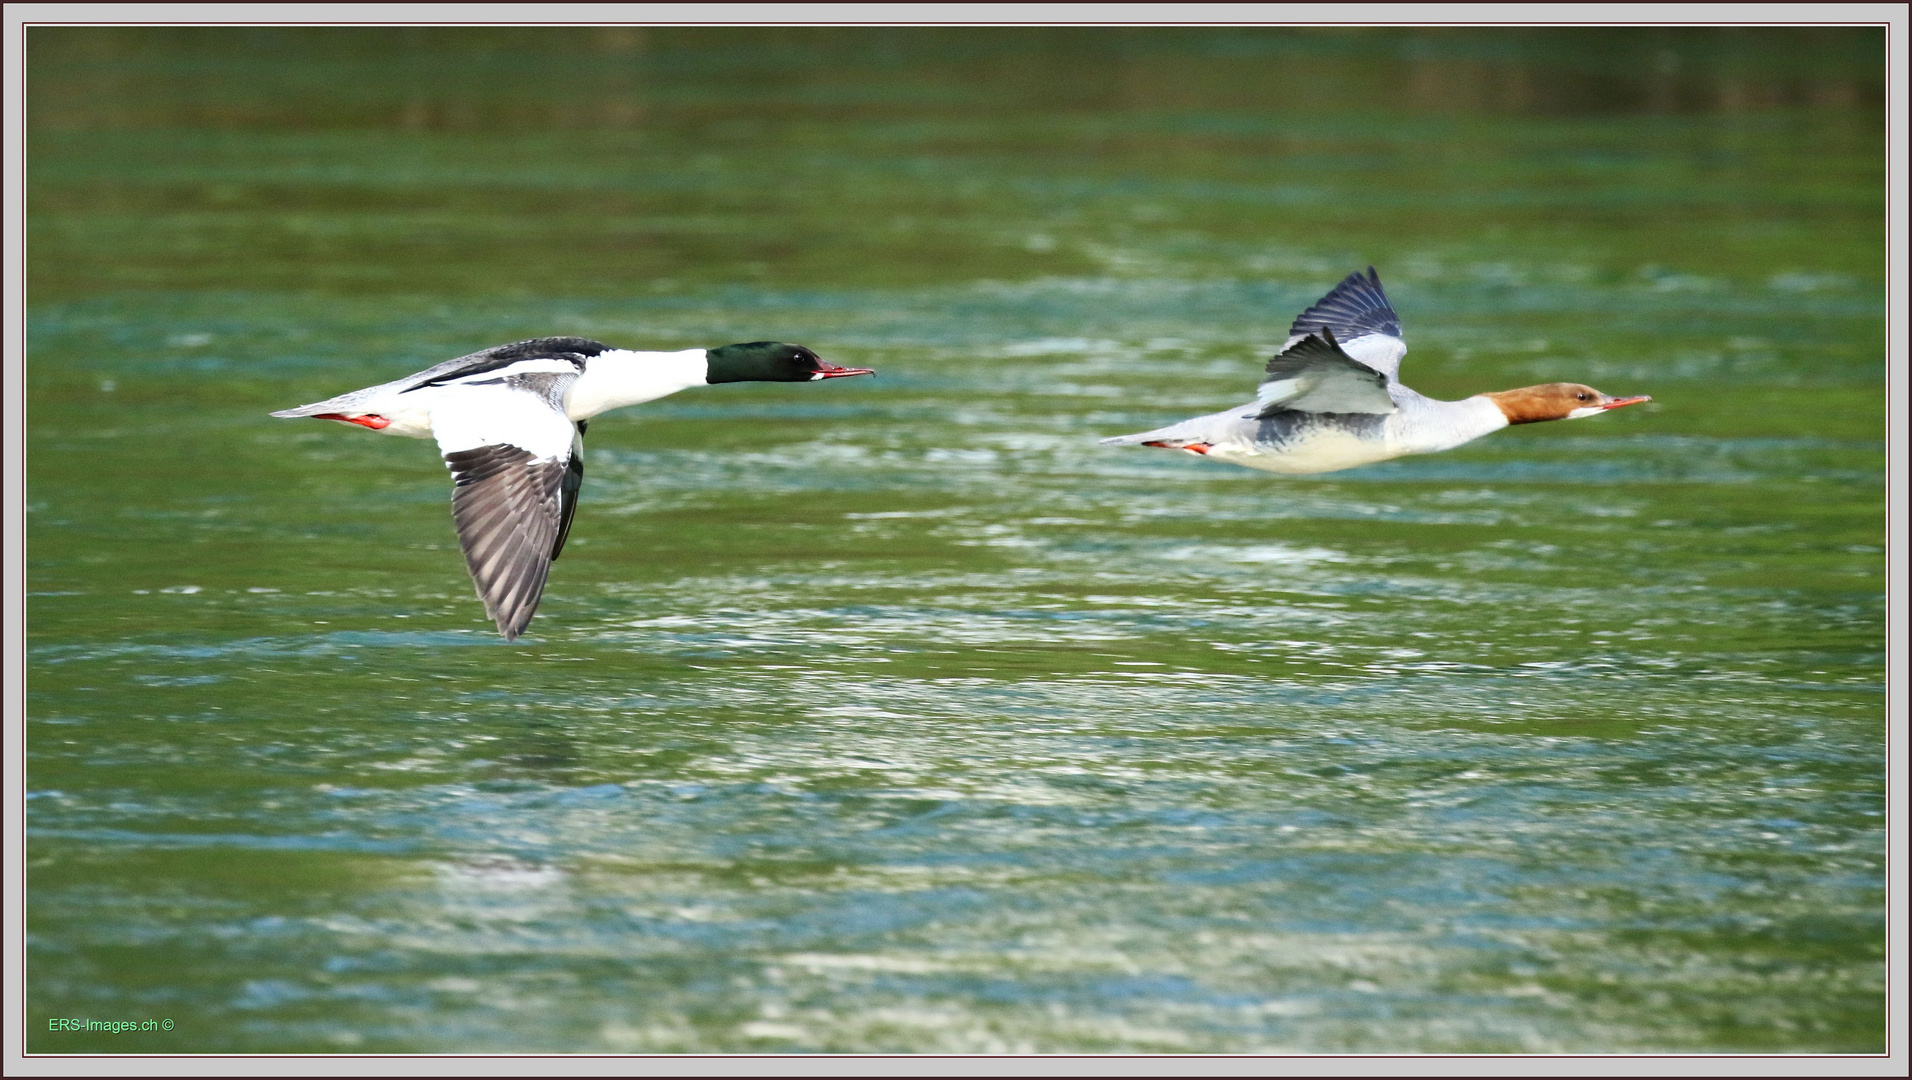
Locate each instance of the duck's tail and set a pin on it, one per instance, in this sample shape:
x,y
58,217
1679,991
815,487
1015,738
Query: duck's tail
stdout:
x,y
1196,430
344,404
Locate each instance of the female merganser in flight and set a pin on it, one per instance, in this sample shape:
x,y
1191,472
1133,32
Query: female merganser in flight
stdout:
x,y
510,423
1331,400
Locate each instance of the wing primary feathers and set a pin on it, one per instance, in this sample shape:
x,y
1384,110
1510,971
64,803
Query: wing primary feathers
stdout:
x,y
1355,307
505,504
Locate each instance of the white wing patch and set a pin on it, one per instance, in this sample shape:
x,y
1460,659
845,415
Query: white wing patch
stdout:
x,y
1278,390
1326,392
467,417
1314,375
1378,351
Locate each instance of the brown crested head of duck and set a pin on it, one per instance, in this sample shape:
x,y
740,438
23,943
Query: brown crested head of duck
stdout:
x,y
1556,401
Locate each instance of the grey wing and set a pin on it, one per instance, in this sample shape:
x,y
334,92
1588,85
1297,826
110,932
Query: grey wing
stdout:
x,y
502,356
1315,375
1362,321
506,506
568,490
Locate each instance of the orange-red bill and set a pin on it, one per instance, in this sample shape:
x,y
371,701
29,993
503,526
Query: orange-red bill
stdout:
x,y
831,371
1619,401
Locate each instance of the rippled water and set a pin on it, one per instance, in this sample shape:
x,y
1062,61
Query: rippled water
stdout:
x,y
897,714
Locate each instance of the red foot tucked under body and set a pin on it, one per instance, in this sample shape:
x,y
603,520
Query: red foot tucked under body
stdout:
x,y
370,420
1193,448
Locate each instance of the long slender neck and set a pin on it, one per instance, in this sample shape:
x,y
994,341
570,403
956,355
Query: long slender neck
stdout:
x,y
620,377
1426,426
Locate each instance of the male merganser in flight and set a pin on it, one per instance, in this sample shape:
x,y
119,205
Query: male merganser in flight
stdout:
x,y
1331,399
510,423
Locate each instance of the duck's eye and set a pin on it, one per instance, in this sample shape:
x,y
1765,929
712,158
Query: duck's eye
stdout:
x,y
1584,397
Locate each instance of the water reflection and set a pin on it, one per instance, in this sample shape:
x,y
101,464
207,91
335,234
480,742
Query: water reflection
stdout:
x,y
913,719
623,78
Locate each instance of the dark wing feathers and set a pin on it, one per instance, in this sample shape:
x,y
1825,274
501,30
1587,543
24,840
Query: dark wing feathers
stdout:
x,y
506,506
1314,375
503,356
1355,307
568,490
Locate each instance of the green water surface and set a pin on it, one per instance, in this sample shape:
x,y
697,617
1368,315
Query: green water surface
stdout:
x,y
896,714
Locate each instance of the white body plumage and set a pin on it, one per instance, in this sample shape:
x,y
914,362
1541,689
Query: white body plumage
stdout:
x,y
610,380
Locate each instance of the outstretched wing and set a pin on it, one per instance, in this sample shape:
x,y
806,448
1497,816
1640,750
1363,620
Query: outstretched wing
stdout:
x,y
505,506
1315,375
1357,312
509,447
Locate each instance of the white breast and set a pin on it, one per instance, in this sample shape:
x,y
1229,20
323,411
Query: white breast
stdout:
x,y
466,417
1322,449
